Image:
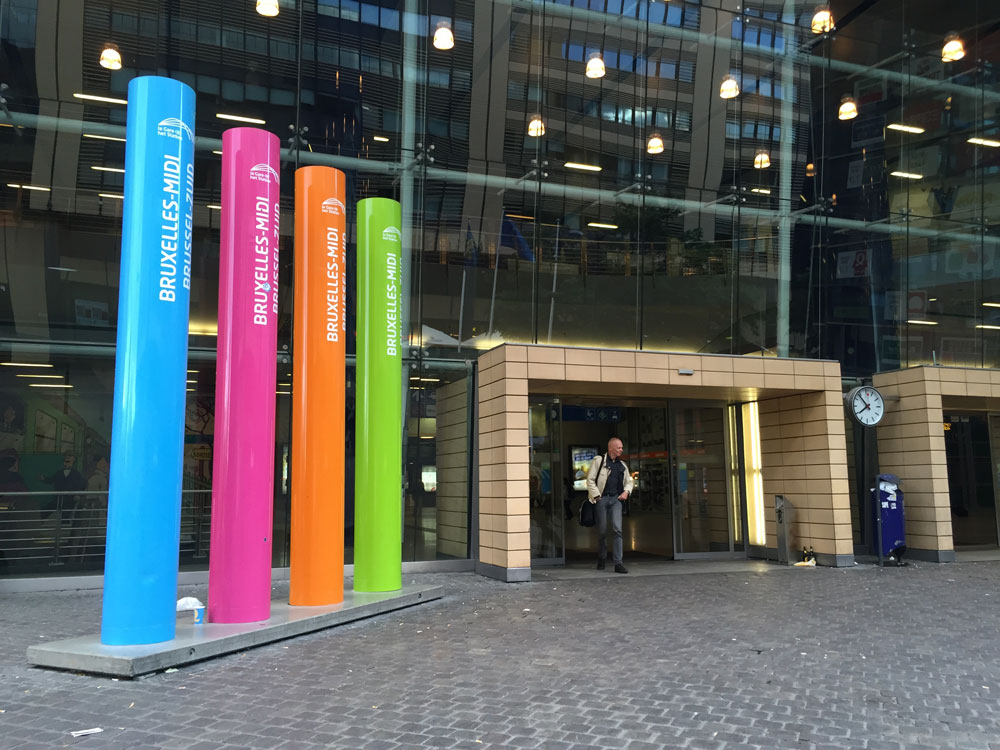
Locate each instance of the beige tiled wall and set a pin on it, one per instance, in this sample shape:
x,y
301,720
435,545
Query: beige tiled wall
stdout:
x,y
805,456
451,441
658,368
911,443
504,521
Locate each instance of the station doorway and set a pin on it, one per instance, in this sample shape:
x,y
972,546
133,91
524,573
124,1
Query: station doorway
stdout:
x,y
684,458
972,447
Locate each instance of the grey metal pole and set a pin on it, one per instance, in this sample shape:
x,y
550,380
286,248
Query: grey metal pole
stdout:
x,y
461,310
785,184
555,275
407,153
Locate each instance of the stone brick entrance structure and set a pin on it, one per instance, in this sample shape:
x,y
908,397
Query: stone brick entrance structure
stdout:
x,y
801,427
911,444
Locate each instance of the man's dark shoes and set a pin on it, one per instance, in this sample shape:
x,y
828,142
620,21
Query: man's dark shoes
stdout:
x,y
600,564
619,568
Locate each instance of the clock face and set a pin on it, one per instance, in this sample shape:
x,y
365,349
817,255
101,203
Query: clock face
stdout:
x,y
867,406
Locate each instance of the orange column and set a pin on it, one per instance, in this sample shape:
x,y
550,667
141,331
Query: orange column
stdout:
x,y
319,389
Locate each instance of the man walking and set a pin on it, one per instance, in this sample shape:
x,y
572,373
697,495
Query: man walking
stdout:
x,y
609,484
62,480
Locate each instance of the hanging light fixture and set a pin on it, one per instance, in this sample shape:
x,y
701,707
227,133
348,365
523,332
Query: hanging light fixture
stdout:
x,y
536,127
953,48
655,144
810,170
730,87
443,38
267,8
595,66
762,160
848,108
822,22
111,58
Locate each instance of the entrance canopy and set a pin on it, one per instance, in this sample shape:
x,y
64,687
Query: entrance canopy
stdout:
x,y
794,430
912,445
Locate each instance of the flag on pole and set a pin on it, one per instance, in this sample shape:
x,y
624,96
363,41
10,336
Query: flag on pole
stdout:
x,y
470,245
512,238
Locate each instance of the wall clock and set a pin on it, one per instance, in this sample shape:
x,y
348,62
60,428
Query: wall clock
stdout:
x,y
866,405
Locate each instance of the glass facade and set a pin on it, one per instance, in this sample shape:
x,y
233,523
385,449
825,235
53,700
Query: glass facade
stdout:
x,y
543,203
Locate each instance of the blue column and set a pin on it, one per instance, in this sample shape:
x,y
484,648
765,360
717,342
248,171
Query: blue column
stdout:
x,y
147,432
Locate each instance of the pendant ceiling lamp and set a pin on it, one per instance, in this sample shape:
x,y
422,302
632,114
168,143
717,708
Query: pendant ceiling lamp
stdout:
x,y
762,160
822,22
655,144
111,58
536,127
595,66
848,108
443,37
730,88
267,8
953,48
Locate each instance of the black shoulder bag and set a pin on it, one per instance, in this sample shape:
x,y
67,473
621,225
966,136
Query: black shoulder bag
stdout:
x,y
587,515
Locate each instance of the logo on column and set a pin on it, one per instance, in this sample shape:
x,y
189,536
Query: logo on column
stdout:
x,y
263,173
333,206
174,128
392,234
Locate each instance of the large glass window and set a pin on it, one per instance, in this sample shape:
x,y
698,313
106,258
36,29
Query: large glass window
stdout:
x,y
843,205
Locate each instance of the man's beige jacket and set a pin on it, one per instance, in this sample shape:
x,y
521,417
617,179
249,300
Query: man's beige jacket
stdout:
x,y
597,477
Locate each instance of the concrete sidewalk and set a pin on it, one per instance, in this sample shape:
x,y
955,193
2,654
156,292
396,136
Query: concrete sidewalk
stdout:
x,y
818,658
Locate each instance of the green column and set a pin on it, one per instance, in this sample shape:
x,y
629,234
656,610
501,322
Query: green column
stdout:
x,y
378,422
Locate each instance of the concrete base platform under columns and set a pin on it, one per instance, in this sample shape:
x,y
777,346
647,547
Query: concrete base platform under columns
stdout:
x,y
507,575
931,555
197,642
834,561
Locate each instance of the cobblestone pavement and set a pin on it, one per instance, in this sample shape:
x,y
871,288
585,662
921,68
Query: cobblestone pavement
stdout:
x,y
808,658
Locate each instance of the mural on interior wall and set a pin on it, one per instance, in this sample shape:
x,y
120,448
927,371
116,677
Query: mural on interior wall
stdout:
x,y
38,434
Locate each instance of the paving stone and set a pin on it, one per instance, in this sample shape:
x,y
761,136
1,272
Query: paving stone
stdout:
x,y
797,659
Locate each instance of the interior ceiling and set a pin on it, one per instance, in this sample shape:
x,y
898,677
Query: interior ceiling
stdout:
x,y
870,30
929,16
969,404
648,394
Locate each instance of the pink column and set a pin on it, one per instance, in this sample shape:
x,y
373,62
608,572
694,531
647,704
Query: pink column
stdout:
x,y
239,577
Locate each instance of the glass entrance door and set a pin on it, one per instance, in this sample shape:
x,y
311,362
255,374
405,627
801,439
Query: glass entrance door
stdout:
x,y
545,486
968,440
646,529
704,522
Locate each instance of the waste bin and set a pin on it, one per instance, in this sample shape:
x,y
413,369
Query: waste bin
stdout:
x,y
890,532
784,518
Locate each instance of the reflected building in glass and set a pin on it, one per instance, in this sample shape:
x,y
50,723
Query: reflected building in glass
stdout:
x,y
710,215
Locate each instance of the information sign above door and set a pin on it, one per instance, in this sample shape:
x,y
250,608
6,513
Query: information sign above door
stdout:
x,y
592,413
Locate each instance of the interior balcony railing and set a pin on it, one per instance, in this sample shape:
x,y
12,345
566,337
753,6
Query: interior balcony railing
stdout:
x,y
47,533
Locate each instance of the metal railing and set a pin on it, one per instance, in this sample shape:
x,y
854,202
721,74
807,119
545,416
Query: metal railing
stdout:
x,y
49,532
